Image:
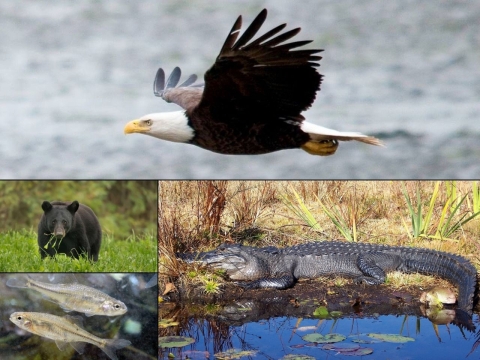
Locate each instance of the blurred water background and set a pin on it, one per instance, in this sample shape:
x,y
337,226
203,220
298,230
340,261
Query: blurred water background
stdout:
x,y
73,73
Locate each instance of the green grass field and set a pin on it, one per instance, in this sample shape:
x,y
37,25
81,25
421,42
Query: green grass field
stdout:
x,y
19,253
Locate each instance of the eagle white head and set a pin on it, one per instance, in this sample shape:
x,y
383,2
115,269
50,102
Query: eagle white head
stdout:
x,y
171,126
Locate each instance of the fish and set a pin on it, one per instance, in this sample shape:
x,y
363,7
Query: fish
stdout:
x,y
64,331
73,297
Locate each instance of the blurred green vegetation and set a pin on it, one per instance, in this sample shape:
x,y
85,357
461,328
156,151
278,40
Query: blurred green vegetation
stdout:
x,y
124,208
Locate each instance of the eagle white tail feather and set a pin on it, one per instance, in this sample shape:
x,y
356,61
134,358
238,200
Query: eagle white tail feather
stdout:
x,y
318,133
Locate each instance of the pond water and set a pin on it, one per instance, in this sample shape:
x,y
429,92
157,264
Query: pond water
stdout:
x,y
247,328
138,324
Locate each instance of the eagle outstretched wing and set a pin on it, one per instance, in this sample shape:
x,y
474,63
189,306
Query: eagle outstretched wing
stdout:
x,y
265,76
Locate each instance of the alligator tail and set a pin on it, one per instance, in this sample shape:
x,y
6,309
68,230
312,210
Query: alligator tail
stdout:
x,y
454,268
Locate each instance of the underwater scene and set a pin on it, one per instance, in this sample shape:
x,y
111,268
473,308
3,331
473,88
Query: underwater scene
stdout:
x,y
78,316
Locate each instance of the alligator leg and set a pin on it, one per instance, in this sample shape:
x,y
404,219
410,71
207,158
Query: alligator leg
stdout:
x,y
280,283
373,274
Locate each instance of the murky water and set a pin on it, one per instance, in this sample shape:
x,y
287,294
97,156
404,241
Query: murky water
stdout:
x,y
258,335
138,324
72,74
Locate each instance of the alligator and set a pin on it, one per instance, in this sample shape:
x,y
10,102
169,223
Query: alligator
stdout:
x,y
279,268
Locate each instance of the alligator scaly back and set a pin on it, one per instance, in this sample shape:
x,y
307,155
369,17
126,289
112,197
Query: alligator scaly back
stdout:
x,y
279,268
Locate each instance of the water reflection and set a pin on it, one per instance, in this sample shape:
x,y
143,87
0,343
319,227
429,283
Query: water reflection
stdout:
x,y
274,330
138,324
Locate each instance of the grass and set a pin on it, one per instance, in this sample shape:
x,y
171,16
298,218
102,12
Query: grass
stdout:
x,y
20,254
451,216
199,215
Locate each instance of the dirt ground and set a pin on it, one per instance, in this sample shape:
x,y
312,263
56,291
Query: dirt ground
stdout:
x,y
302,300
323,289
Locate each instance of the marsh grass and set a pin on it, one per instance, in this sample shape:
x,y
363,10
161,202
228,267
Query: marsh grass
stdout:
x,y
298,207
453,213
20,254
475,202
199,215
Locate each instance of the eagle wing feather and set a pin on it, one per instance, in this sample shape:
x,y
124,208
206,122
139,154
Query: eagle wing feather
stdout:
x,y
187,94
264,79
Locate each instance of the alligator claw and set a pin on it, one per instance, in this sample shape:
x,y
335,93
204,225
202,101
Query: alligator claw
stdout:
x,y
246,285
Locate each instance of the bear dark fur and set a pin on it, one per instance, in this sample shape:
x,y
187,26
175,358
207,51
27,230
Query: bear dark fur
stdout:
x,y
69,228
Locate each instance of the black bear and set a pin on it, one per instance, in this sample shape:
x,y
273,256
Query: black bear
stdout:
x,y
69,228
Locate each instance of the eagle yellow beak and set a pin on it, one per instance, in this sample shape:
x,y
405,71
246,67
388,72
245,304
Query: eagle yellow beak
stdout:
x,y
134,126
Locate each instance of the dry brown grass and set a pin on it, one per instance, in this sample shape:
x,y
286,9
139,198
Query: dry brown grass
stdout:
x,y
199,215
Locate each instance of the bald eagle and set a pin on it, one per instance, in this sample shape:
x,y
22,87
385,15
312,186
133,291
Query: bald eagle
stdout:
x,y
251,101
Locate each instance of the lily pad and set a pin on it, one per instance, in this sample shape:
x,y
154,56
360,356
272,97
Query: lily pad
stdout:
x,y
363,339
341,347
195,355
321,312
336,313
348,349
174,341
393,338
323,339
234,354
297,357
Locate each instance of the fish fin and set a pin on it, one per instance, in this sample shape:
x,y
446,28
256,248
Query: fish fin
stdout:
x,y
18,282
152,282
77,320
64,308
112,345
87,314
79,346
62,345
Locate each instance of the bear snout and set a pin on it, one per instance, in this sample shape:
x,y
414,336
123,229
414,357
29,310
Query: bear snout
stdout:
x,y
59,231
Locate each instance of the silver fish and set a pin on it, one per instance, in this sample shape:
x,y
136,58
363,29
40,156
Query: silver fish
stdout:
x,y
65,330
74,297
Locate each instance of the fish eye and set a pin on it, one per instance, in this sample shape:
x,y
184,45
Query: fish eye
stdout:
x,y
117,306
19,317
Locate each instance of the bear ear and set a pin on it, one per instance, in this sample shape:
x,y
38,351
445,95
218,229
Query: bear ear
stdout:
x,y
73,207
46,206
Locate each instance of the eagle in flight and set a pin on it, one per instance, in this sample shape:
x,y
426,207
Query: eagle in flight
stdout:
x,y
252,99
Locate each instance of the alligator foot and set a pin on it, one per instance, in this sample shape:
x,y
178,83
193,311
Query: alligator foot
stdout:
x,y
281,282
368,280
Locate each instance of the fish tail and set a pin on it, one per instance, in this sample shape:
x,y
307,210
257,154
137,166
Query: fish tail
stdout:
x,y
112,345
18,282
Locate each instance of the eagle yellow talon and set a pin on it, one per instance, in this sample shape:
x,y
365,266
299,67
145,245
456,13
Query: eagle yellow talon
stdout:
x,y
323,148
